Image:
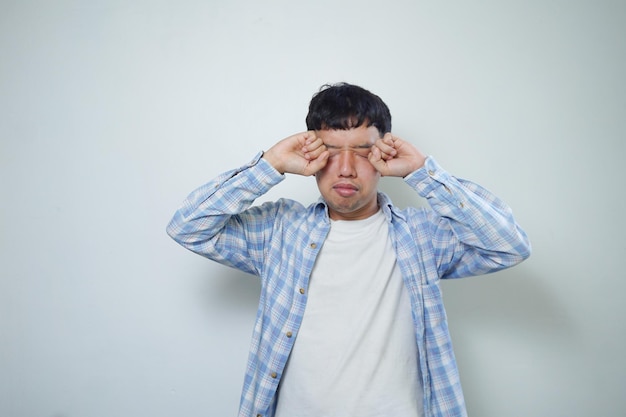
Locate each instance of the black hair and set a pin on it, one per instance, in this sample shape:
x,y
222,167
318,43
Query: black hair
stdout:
x,y
346,106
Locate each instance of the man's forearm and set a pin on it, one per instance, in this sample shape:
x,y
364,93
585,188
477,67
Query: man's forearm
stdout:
x,y
479,219
207,209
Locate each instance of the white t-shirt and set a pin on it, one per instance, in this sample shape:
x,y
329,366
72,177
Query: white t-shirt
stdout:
x,y
355,353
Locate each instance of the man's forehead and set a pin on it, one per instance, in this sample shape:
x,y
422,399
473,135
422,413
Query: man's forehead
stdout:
x,y
361,137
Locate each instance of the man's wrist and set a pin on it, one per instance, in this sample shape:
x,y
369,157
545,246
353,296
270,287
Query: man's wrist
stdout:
x,y
418,164
269,157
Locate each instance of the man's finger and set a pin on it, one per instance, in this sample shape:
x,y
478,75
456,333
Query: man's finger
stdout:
x,y
317,164
386,147
377,160
314,150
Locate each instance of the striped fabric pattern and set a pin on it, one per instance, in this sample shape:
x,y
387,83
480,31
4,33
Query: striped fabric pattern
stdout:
x,y
468,231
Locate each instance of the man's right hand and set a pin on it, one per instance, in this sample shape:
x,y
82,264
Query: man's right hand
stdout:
x,y
303,154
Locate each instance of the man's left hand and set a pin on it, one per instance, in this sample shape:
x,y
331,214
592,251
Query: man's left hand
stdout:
x,y
394,157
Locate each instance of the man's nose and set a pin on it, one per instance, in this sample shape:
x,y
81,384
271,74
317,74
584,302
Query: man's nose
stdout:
x,y
346,163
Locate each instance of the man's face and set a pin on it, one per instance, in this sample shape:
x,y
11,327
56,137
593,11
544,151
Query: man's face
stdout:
x,y
349,183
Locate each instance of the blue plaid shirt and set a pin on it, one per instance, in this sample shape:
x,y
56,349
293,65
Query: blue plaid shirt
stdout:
x,y
469,231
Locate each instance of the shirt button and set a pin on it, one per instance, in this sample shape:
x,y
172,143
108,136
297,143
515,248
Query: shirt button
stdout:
x,y
273,374
461,205
301,290
431,172
289,334
313,245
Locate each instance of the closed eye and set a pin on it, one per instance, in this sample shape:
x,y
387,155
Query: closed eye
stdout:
x,y
362,152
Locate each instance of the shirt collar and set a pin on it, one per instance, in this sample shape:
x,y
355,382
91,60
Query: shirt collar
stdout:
x,y
383,201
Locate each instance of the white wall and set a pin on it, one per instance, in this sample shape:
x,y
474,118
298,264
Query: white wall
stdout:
x,y
112,111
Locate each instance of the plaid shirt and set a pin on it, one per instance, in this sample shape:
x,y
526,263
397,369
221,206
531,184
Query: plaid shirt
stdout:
x,y
468,232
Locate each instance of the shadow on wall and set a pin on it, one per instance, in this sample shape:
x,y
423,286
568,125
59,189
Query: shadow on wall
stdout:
x,y
507,300
508,329
227,291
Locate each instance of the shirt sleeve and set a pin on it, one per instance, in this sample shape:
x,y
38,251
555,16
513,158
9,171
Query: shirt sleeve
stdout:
x,y
217,220
473,232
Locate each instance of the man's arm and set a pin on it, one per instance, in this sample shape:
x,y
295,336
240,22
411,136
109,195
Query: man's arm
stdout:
x,y
473,231
217,220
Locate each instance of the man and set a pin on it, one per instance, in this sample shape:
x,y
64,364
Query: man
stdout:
x,y
351,319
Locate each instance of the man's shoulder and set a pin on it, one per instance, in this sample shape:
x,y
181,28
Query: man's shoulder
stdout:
x,y
289,208
407,214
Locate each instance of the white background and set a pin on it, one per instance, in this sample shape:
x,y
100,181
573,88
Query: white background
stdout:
x,y
111,112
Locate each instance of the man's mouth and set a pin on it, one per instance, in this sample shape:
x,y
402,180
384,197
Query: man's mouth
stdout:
x,y
345,190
